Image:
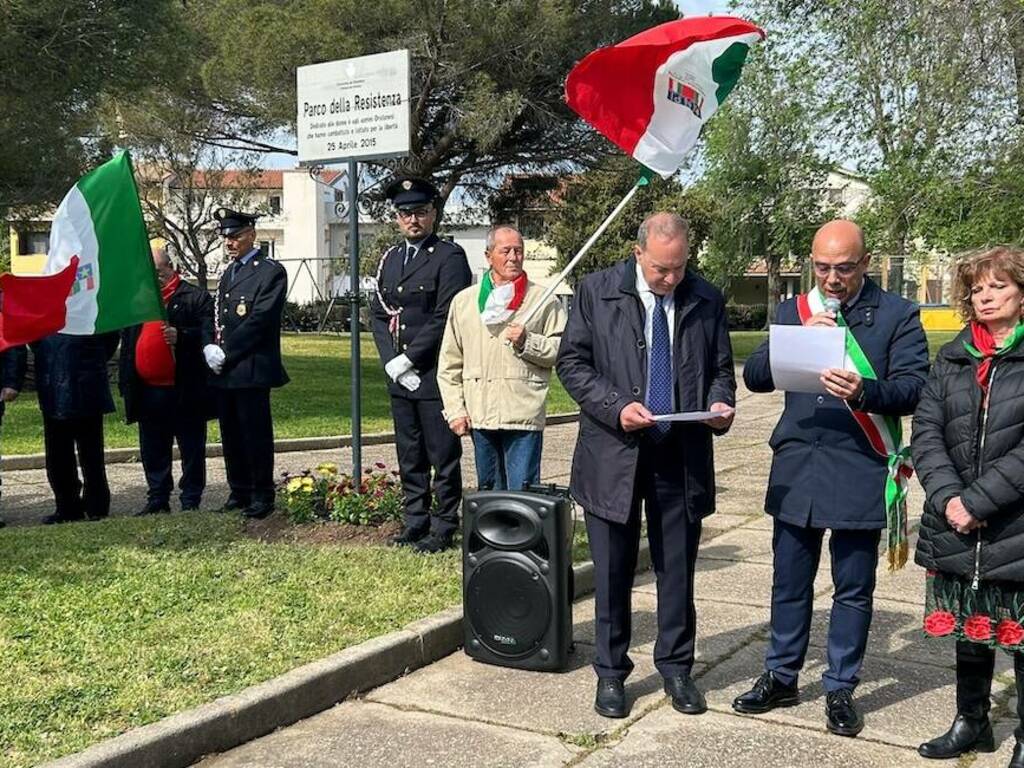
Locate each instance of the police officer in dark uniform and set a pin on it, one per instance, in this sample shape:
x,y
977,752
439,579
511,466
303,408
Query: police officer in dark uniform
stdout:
x,y
245,357
416,280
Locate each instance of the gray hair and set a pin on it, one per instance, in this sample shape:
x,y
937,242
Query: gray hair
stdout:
x,y
493,232
663,225
164,252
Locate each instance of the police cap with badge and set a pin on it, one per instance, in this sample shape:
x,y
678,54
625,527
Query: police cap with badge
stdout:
x,y
407,193
231,223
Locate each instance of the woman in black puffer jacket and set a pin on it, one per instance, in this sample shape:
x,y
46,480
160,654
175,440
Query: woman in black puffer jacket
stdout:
x,y
968,449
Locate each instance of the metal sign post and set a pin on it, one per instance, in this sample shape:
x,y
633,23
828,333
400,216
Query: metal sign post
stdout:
x,y
351,110
353,308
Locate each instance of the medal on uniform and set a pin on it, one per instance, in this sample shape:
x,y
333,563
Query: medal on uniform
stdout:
x,y
240,310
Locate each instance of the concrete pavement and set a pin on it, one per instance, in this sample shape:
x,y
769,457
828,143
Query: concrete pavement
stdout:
x,y
457,712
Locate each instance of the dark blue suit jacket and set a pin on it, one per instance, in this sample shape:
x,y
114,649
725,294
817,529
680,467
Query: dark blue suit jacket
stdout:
x,y
824,472
423,290
602,363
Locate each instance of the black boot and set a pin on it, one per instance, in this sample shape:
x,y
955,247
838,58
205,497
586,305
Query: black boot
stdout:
x,y
971,730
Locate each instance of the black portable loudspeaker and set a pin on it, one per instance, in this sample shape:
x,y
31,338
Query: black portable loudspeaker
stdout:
x,y
516,573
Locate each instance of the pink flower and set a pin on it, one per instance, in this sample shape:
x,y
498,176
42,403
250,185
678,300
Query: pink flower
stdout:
x,y
939,623
1009,633
978,627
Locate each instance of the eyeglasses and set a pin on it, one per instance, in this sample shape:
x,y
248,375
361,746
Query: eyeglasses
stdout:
x,y
845,269
418,213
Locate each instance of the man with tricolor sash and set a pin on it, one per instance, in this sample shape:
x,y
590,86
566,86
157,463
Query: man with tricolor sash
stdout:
x,y
839,464
493,371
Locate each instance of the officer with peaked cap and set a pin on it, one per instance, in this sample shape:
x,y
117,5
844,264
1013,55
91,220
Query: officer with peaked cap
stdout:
x,y
245,357
416,280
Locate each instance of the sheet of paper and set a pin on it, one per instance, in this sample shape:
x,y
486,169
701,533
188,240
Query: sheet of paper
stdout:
x,y
692,415
798,354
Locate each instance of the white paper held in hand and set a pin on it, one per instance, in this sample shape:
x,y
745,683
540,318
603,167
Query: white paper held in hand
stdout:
x,y
798,354
693,415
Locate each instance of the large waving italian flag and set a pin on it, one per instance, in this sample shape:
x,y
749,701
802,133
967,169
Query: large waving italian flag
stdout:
x,y
652,93
100,222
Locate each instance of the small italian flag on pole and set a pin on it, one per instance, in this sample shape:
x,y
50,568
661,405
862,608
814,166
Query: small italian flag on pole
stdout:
x,y
100,223
652,93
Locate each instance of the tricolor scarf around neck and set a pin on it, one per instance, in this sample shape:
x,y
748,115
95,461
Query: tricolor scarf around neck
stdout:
x,y
883,432
497,303
984,349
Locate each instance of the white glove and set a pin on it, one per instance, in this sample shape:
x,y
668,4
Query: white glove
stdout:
x,y
214,357
397,366
410,380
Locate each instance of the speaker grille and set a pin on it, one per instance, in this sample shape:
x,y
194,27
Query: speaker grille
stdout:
x,y
510,606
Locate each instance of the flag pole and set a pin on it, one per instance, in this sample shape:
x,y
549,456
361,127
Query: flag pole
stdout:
x,y
643,181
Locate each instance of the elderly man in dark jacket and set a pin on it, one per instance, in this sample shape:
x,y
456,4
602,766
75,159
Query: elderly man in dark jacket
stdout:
x,y
163,382
74,394
826,475
244,354
12,376
646,337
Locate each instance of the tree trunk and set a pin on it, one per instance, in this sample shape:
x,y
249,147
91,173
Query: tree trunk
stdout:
x,y
774,266
202,275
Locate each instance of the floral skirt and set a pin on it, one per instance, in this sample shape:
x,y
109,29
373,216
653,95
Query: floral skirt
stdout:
x,y
991,615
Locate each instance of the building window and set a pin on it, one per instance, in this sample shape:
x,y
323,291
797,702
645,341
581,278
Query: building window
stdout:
x,y
275,204
33,242
267,248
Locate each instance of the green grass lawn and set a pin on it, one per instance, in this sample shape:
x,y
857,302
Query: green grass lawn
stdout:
x,y
317,402
108,626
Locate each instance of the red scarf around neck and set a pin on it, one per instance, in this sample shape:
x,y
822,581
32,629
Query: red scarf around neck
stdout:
x,y
983,348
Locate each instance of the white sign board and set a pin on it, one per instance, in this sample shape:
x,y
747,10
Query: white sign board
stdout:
x,y
354,108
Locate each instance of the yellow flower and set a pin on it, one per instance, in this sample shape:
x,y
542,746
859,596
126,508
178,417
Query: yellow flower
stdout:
x,y
327,469
294,484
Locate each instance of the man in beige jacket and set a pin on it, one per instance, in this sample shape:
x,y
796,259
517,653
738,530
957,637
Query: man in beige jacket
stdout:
x,y
493,372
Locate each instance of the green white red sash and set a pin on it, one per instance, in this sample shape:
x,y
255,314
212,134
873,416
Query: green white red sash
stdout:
x,y
883,432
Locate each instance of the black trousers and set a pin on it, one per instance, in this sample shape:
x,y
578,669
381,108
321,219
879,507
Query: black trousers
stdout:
x,y
74,498
161,422
424,440
797,552
247,432
674,539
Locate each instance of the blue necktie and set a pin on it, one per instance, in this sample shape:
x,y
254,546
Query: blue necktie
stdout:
x,y
659,375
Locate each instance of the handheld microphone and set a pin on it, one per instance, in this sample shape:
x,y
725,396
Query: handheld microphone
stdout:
x,y
832,305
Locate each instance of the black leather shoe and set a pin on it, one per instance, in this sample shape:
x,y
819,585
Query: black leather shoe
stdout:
x,y
611,698
767,694
842,717
686,697
154,508
965,735
234,504
432,544
258,511
408,536
1017,761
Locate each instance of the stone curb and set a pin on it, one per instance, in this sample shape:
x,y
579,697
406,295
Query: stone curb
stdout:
x,y
180,740
127,455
